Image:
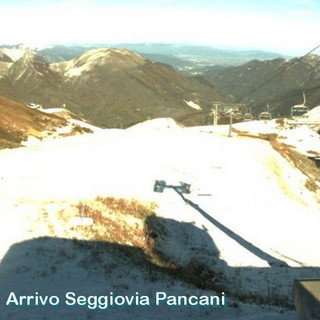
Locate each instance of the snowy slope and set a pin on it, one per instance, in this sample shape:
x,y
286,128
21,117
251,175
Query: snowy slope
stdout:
x,y
247,202
14,53
314,114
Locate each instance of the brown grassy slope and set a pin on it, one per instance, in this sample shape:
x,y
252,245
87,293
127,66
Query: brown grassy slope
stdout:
x,y
116,87
259,83
17,122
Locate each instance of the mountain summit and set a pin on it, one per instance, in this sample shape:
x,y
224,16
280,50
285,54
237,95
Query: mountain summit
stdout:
x,y
93,60
119,87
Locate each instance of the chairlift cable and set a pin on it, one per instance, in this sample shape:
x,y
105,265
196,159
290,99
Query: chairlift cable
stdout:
x,y
290,65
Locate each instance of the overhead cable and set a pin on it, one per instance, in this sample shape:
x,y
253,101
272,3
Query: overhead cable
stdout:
x,y
287,67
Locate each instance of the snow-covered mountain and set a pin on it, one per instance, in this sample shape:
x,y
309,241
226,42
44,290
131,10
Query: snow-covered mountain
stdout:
x,y
13,53
93,60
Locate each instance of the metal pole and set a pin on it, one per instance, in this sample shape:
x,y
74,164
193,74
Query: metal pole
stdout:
x,y
215,112
230,125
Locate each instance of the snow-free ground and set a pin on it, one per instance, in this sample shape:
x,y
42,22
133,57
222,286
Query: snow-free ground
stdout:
x,y
248,205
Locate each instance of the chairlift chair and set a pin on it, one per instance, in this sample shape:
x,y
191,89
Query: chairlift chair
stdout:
x,y
248,117
299,111
265,115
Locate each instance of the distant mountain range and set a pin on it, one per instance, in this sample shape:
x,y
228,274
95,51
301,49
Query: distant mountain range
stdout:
x,y
190,59
117,87
110,87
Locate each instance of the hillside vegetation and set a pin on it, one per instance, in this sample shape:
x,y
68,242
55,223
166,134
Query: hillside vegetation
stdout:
x,y
279,83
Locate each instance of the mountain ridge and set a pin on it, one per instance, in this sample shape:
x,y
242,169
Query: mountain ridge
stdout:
x,y
111,87
279,83
119,87
186,58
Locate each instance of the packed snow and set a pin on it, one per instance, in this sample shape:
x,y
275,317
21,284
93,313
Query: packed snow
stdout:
x,y
314,114
193,105
247,203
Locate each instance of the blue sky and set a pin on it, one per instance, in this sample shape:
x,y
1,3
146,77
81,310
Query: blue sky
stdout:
x,y
285,26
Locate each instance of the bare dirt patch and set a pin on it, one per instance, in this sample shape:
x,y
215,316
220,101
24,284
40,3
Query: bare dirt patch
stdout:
x,y
113,220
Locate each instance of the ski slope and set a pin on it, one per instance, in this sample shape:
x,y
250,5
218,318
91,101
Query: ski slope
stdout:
x,y
247,203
